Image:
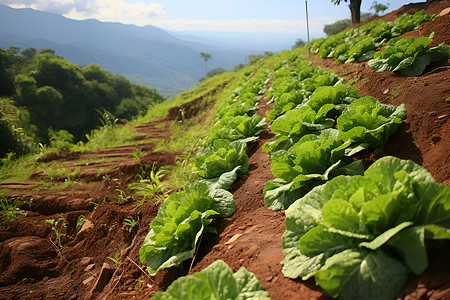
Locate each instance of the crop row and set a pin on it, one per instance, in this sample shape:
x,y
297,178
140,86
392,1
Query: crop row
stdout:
x,y
186,216
359,233
408,55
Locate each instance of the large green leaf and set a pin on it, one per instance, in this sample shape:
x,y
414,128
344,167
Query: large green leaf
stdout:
x,y
175,231
216,281
355,274
359,235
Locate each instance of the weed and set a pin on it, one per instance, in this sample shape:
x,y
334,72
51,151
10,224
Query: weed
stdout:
x,y
138,153
151,187
57,227
138,284
121,197
9,209
117,259
395,91
63,173
80,221
130,223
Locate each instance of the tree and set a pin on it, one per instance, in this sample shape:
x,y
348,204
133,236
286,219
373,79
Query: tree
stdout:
x,y
355,9
206,57
299,43
340,25
379,7
29,53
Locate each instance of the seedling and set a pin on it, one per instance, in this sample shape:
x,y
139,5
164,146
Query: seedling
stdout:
x,y
61,222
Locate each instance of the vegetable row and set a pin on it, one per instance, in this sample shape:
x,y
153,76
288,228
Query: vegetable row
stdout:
x,y
409,56
185,216
318,130
358,233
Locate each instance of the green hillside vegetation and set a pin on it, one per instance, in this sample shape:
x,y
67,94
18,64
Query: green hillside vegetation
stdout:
x,y
43,94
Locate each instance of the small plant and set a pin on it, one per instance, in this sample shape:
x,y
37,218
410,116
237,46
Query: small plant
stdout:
x,y
138,153
152,187
130,223
10,209
95,205
80,221
117,259
121,197
57,226
138,284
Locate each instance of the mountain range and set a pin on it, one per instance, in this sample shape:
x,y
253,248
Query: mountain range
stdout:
x,y
167,61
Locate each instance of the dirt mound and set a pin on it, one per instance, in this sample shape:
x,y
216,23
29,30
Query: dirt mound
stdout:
x,y
99,259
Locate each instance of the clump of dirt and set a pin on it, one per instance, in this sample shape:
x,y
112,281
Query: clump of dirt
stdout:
x,y
99,258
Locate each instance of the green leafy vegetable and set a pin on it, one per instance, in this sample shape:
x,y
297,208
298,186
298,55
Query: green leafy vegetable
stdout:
x,y
176,230
367,122
222,156
409,56
360,235
216,281
243,128
308,163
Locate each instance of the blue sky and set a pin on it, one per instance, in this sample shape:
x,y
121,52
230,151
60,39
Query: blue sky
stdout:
x,y
283,16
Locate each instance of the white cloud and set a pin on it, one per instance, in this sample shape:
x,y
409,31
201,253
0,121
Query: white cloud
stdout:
x,y
104,10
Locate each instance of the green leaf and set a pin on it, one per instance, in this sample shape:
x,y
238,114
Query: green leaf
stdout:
x,y
216,281
354,274
410,245
385,236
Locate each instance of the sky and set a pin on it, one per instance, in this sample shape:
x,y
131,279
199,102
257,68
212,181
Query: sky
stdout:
x,y
270,16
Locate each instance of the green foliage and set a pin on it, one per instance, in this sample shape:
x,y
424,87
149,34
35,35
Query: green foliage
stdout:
x,y
130,223
311,161
409,56
336,27
368,123
298,43
360,44
57,226
360,235
379,7
63,96
61,139
177,228
220,157
242,128
216,281
212,73
10,209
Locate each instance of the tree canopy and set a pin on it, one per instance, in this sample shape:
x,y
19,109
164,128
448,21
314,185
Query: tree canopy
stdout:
x,y
60,95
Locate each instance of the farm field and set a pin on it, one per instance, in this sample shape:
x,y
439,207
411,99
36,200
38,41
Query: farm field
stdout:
x,y
100,259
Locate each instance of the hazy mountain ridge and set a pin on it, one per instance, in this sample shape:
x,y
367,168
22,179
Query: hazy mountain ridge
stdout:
x,y
147,54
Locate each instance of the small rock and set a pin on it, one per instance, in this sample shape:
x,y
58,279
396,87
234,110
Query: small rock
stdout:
x,y
85,261
386,91
89,267
442,116
252,251
88,280
234,238
444,12
87,227
269,278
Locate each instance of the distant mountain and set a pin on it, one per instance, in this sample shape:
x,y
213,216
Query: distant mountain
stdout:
x,y
147,55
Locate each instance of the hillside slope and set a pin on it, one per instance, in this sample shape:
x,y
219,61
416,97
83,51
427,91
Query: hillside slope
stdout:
x,y
250,237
